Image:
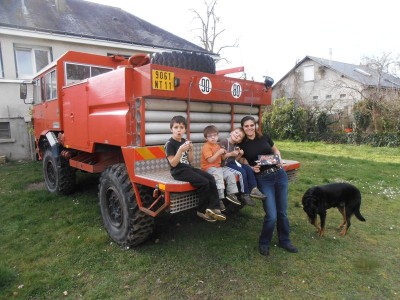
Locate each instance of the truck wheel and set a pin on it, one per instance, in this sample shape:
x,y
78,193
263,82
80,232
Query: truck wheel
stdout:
x,y
58,178
124,222
185,60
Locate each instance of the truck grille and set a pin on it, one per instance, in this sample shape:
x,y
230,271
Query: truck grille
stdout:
x,y
183,201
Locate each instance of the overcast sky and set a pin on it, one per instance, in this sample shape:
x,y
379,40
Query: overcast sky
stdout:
x,y
274,35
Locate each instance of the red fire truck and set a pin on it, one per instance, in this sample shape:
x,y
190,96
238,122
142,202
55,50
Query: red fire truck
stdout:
x,y
111,115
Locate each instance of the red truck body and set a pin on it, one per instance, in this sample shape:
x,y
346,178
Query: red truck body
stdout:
x,y
118,121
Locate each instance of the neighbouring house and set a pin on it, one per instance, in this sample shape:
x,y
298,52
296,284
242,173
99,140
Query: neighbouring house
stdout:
x,y
34,33
332,86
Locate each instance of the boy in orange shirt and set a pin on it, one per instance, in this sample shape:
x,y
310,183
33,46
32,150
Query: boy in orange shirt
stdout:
x,y
212,155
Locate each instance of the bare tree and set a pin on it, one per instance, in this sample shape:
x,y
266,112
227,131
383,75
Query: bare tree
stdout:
x,y
385,63
210,33
378,101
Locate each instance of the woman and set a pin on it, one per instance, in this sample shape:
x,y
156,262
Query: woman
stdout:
x,y
272,181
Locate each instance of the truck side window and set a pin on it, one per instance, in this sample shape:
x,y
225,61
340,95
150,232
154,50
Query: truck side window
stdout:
x,y
51,85
94,71
76,73
37,97
42,90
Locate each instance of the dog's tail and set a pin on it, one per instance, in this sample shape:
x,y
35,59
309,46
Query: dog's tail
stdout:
x,y
358,215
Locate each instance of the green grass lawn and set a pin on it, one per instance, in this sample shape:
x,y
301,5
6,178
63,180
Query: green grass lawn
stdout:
x,y
51,245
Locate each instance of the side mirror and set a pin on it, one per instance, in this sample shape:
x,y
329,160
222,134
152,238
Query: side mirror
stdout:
x,y
268,82
23,91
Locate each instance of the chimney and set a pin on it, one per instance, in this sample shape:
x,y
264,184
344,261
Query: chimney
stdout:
x,y
60,5
330,56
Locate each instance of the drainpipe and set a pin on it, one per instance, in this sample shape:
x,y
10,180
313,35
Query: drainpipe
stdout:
x,y
32,151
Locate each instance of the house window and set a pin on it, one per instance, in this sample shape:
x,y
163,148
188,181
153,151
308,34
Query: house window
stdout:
x,y
342,96
315,97
1,65
5,132
328,97
76,73
30,60
309,73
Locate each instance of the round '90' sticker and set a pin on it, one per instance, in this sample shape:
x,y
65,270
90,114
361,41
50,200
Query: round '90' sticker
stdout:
x,y
205,85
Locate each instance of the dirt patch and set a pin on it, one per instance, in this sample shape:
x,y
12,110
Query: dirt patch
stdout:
x,y
36,186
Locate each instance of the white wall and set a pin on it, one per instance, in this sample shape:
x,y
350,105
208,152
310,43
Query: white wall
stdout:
x,y
316,92
12,108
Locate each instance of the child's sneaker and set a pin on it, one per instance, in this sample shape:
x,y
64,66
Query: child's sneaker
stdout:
x,y
247,199
205,217
256,193
215,214
221,205
233,199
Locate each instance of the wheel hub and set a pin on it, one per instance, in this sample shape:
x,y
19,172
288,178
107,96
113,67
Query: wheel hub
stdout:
x,y
114,207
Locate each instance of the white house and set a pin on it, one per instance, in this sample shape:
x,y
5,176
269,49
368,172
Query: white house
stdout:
x,y
331,84
33,33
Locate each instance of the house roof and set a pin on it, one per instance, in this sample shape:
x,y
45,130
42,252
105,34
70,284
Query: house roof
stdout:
x,y
80,18
359,73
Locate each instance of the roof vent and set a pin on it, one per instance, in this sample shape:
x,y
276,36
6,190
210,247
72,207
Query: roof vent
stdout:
x,y
114,18
362,72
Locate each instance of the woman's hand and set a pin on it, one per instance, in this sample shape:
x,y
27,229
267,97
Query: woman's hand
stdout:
x,y
277,152
256,168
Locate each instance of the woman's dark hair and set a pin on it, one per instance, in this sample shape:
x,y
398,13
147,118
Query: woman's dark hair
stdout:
x,y
247,118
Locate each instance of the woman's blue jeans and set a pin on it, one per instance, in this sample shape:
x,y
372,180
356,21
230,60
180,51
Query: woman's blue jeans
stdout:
x,y
275,187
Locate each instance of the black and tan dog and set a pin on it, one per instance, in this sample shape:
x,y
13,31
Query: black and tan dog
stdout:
x,y
344,196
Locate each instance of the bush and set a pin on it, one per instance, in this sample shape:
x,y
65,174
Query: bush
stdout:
x,y
285,120
361,120
288,120
381,139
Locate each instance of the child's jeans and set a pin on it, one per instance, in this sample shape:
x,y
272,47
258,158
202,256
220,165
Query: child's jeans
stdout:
x,y
248,177
221,176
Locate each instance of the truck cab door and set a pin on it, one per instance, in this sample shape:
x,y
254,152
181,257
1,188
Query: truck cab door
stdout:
x,y
75,116
46,110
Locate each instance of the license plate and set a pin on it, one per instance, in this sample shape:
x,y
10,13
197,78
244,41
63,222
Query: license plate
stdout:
x,y
162,80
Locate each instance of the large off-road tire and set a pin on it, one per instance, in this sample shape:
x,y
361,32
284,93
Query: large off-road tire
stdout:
x,y
185,60
124,222
58,175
